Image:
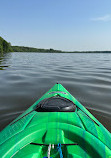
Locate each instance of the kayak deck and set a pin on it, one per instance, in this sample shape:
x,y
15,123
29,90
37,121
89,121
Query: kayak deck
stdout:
x,y
79,133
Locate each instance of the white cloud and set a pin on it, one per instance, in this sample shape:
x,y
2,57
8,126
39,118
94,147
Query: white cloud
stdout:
x,y
104,18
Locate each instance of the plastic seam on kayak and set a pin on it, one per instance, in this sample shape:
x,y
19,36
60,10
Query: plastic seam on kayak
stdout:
x,y
81,121
89,117
20,130
21,117
92,134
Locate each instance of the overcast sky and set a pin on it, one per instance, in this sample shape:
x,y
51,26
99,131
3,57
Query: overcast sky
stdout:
x,y
73,25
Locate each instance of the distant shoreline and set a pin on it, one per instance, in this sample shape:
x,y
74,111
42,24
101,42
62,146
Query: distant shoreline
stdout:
x,y
40,50
67,52
6,47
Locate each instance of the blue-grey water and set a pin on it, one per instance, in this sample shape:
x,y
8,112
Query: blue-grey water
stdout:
x,y
24,77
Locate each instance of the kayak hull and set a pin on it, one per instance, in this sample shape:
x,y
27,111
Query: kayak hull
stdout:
x,y
79,133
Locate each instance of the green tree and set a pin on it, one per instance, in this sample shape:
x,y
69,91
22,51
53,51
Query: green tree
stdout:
x,y
1,49
5,46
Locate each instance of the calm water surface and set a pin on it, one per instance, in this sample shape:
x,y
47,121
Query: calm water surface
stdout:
x,y
24,77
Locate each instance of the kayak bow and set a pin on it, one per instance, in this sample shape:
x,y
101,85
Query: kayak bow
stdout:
x,y
56,125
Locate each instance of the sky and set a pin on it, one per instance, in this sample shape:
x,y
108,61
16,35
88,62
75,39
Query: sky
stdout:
x,y
69,25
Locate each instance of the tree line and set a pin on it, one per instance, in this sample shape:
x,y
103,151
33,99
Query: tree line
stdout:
x,y
6,47
31,49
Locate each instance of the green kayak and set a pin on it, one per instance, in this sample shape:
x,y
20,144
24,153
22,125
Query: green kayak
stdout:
x,y
55,126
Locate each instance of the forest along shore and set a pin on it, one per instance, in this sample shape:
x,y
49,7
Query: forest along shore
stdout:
x,y
6,47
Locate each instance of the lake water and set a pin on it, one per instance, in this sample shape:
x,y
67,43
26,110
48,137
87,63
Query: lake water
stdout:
x,y
25,77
